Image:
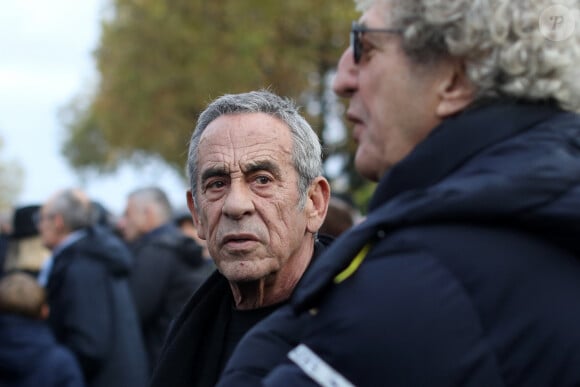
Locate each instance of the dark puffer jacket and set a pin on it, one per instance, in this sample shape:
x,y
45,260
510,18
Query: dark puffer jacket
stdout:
x,y
92,311
31,357
470,271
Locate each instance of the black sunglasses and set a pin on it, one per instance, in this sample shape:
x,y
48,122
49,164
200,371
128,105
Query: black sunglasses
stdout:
x,y
356,32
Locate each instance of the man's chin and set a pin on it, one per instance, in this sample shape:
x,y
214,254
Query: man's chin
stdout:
x,y
242,272
366,171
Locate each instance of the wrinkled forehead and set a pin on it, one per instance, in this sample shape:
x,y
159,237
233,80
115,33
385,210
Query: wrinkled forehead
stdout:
x,y
232,139
242,123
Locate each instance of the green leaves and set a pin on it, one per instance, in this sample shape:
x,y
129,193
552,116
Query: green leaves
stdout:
x,y
161,62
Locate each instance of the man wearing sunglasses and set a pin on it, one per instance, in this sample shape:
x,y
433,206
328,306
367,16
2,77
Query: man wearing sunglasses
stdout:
x,y
466,271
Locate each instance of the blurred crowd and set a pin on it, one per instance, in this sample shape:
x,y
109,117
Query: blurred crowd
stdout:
x,y
99,315
101,310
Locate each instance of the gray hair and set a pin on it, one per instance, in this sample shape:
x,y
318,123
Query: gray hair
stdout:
x,y
306,149
75,208
506,53
156,198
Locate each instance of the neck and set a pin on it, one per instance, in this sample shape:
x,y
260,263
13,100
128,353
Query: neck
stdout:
x,y
272,289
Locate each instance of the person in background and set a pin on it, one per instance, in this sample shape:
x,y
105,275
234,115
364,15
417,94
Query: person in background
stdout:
x,y
102,217
184,221
29,354
341,216
25,249
466,270
258,198
92,310
168,266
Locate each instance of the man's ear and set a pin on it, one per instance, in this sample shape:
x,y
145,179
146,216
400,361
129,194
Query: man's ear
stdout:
x,y
455,90
317,203
191,205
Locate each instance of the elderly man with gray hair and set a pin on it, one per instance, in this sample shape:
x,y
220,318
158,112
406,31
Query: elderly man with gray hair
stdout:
x,y
466,271
258,198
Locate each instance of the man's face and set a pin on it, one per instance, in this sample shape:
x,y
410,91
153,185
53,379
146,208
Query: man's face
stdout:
x,y
131,223
48,227
248,196
392,101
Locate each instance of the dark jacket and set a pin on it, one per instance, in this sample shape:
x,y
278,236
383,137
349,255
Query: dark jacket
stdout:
x,y
168,269
31,357
193,352
470,271
92,312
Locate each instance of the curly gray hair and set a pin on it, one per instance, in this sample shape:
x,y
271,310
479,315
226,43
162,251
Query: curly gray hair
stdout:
x,y
306,150
505,52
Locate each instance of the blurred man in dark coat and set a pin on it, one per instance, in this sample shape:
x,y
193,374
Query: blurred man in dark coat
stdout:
x,y
92,311
168,266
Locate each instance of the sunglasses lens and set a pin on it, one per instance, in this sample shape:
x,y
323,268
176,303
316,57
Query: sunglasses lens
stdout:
x,y
355,44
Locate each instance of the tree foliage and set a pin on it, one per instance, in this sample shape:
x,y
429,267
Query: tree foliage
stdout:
x,y
161,62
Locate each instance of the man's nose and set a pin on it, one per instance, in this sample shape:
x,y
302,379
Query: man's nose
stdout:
x,y
238,201
345,81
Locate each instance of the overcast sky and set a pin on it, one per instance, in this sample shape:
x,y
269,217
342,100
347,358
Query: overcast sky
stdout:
x,y
45,60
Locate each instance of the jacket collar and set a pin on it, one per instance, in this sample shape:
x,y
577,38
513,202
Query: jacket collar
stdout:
x,y
446,149
453,142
